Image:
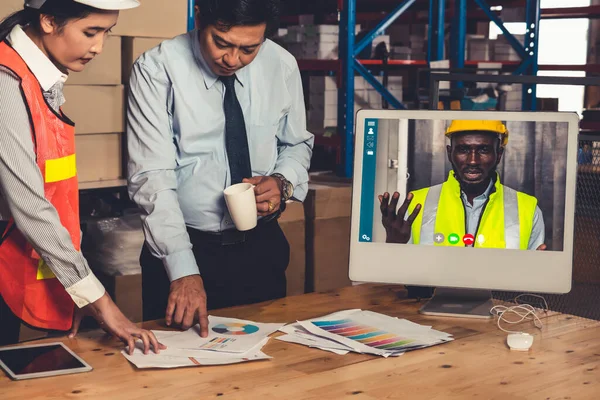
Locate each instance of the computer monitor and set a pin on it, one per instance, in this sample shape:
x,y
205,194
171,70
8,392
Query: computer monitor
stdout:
x,y
492,203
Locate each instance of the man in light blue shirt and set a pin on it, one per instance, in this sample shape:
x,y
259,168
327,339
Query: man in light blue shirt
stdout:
x,y
210,108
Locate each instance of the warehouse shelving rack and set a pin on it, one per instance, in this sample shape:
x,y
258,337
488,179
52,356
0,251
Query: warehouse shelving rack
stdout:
x,y
349,50
441,12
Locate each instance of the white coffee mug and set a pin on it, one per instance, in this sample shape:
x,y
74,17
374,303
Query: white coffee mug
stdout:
x,y
241,203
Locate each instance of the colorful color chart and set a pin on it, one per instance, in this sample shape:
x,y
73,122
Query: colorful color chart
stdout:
x,y
235,328
217,343
367,335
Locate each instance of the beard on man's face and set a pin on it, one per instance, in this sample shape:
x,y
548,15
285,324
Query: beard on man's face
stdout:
x,y
474,179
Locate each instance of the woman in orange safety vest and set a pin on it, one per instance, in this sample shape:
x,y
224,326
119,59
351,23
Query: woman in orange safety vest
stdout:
x,y
44,279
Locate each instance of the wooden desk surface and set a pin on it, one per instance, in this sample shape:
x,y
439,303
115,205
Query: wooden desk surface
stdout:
x,y
564,362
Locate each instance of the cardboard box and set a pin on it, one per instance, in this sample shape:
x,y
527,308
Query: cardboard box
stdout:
x,y
27,333
292,223
8,7
154,18
329,97
327,210
399,34
547,104
105,69
99,157
320,84
95,109
132,49
318,126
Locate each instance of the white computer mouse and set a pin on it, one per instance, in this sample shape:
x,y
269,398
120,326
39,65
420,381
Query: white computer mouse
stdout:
x,y
519,341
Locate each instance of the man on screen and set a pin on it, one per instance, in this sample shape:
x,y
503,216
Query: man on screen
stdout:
x,y
472,208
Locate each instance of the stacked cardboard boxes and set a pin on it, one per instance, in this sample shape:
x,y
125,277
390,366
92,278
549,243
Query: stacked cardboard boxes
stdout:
x,y
327,209
514,98
381,40
138,30
132,49
292,222
96,96
513,14
313,42
323,99
154,18
408,41
503,51
479,48
145,27
98,113
7,7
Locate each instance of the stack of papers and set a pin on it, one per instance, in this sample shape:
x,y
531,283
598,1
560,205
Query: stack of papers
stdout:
x,y
363,332
229,341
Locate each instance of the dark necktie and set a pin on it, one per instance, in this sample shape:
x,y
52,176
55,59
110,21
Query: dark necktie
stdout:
x,y
236,141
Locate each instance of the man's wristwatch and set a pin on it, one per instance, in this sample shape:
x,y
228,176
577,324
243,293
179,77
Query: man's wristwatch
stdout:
x,y
287,189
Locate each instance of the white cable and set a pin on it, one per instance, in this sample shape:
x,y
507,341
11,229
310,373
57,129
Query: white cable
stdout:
x,y
523,311
516,300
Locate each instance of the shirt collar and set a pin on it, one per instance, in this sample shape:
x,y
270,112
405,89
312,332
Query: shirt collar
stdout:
x,y
490,189
209,76
40,65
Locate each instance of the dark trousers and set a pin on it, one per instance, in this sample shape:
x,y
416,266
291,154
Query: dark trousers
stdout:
x,y
237,269
10,325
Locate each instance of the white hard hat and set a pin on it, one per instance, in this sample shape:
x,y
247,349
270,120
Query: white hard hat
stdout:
x,y
100,4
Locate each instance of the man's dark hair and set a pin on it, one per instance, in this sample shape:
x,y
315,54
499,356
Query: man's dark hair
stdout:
x,y
225,14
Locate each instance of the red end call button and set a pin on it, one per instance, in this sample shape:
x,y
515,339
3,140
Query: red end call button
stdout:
x,y
468,239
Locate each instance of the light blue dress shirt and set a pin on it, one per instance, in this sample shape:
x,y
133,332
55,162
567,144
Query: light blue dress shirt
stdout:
x,y
178,165
473,215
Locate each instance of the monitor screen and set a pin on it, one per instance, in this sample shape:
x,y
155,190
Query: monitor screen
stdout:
x,y
476,181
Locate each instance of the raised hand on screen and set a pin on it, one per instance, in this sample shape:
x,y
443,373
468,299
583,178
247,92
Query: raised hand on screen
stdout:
x,y
397,229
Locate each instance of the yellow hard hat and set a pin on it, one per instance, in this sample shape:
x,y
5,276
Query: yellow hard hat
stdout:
x,y
479,125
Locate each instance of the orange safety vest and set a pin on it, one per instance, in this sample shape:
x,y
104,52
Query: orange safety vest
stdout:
x,y
27,284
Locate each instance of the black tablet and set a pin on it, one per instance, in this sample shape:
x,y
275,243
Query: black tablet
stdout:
x,y
40,360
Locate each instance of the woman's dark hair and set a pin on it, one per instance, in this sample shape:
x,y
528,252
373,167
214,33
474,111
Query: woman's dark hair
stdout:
x,y
225,14
62,10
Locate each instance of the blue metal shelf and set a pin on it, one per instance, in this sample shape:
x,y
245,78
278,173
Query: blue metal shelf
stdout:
x,y
191,23
437,13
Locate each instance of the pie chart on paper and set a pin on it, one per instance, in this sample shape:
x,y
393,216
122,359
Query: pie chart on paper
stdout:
x,y
235,328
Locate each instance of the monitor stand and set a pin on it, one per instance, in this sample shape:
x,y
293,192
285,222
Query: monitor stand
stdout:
x,y
465,303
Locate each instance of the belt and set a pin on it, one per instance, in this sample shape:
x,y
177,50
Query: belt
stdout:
x,y
232,236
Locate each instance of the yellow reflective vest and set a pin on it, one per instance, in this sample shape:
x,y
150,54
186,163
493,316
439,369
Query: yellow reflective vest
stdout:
x,y
506,222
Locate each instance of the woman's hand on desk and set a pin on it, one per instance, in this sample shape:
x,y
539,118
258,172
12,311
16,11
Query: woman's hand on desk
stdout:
x,y
112,320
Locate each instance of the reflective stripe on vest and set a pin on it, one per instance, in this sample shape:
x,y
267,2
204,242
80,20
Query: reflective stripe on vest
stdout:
x,y
506,222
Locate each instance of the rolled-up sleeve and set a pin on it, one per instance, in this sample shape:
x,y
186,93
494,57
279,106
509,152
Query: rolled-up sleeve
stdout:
x,y
152,180
295,143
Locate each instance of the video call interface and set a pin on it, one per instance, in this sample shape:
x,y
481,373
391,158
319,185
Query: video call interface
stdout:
x,y
464,183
